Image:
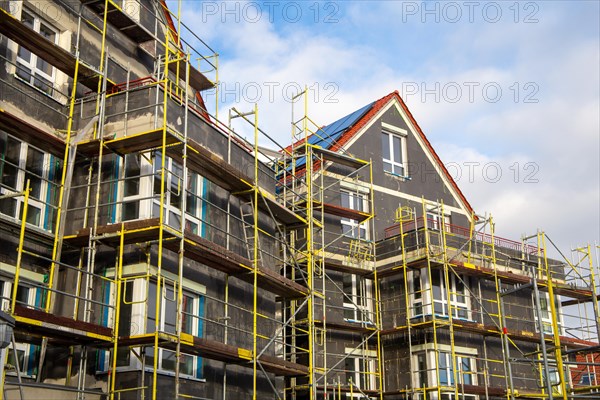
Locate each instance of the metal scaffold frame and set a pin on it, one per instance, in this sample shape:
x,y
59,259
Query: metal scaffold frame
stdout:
x,y
171,90
476,255
160,138
323,250
279,245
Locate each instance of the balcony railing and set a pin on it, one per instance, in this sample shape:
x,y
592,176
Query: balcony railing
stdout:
x,y
461,231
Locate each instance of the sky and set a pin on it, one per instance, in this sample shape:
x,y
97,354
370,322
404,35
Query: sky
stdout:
x,y
507,92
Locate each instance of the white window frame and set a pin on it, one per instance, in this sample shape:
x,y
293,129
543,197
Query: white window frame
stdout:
x,y
356,201
142,197
546,313
418,372
168,285
62,39
31,65
174,182
354,302
361,358
431,355
434,221
398,167
149,202
460,360
5,298
455,302
139,320
25,349
35,280
452,396
554,376
28,279
587,378
36,206
418,292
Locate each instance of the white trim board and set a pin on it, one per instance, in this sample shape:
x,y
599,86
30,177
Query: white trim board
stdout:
x,y
402,195
417,137
141,269
9,270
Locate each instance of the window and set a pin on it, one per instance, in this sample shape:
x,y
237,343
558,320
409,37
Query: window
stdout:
x,y
19,162
132,191
27,296
31,68
546,314
141,187
452,396
360,366
417,293
459,298
434,221
588,379
4,295
464,364
393,147
546,320
422,371
174,192
356,307
553,374
138,316
426,359
191,324
351,227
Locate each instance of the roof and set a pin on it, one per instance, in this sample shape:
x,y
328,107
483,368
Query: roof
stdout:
x,y
335,135
327,136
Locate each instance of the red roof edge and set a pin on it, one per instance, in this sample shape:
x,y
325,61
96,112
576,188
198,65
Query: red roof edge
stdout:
x,y
435,155
364,120
377,106
169,19
360,123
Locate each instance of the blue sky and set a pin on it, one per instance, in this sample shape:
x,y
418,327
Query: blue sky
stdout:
x,y
512,86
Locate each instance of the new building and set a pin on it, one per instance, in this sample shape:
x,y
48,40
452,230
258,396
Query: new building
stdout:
x,y
150,252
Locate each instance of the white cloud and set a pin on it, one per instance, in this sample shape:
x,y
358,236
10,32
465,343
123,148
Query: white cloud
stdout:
x,y
372,52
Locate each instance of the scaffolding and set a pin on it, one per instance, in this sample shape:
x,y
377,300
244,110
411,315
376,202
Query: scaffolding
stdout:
x,y
482,316
334,190
302,297
146,129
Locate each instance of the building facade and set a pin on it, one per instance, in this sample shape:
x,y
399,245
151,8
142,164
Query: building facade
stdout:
x,y
150,252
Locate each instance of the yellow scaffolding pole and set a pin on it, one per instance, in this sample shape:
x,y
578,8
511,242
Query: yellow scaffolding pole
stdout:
x,y
161,221
256,256
449,297
181,253
510,392
378,319
309,252
404,214
555,327
434,319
